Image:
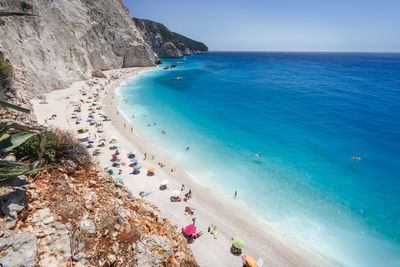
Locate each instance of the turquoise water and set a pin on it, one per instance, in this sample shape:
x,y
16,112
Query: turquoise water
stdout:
x,y
308,114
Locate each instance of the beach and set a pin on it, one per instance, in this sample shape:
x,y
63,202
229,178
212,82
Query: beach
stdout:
x,y
274,248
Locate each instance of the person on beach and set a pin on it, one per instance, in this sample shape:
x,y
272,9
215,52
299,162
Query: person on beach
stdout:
x,y
188,195
187,148
183,187
163,132
235,193
145,156
214,231
194,220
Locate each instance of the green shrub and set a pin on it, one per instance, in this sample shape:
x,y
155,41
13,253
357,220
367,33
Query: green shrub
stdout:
x,y
25,5
5,67
60,145
30,147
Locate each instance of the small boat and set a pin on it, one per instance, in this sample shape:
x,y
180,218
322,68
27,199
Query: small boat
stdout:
x,y
356,158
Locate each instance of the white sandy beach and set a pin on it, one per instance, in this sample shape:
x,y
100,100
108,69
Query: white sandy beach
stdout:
x,y
209,208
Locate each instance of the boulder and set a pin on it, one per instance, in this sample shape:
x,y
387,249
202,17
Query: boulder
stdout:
x,y
17,250
87,225
12,204
169,50
69,164
98,74
40,215
148,252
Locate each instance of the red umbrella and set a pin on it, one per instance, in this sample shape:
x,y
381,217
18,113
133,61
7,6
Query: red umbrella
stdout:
x,y
190,229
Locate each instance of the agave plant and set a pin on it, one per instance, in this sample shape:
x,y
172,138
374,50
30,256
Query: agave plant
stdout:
x,y
9,141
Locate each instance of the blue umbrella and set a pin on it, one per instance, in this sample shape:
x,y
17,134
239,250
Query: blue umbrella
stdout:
x,y
119,180
137,167
134,160
90,142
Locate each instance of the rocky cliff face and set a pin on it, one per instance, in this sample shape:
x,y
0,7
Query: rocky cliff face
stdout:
x,y
53,43
169,50
167,43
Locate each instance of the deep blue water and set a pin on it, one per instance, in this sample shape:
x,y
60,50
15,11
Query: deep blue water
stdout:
x,y
309,114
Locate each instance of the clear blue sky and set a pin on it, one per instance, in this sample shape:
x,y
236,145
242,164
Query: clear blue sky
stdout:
x,y
280,25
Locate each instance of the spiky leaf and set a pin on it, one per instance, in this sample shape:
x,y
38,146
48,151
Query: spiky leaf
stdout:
x,y
8,123
9,105
9,169
14,141
3,134
6,163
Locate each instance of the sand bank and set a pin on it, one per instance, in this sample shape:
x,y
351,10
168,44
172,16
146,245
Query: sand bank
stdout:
x,y
260,241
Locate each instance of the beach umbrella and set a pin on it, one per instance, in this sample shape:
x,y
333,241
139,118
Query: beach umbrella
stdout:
x,y
134,160
164,182
251,261
90,142
137,167
237,242
190,229
152,169
175,193
119,180
83,136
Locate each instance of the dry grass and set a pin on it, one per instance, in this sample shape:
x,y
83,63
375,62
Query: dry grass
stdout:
x,y
70,148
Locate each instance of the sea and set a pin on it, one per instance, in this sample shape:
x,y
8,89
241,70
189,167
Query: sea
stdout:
x,y
310,141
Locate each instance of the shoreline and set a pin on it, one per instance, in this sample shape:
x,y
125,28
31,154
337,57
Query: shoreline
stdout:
x,y
209,208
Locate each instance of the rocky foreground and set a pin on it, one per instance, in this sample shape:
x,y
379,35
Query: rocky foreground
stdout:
x,y
72,216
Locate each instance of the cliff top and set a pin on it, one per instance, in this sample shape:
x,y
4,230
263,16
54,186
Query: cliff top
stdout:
x,y
153,30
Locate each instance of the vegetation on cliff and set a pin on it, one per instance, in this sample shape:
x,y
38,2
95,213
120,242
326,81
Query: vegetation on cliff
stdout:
x,y
5,67
12,135
156,35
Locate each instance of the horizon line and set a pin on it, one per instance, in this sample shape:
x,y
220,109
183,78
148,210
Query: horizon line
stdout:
x,y
307,51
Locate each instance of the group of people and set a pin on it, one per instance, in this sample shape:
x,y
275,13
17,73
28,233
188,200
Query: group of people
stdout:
x,y
189,211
